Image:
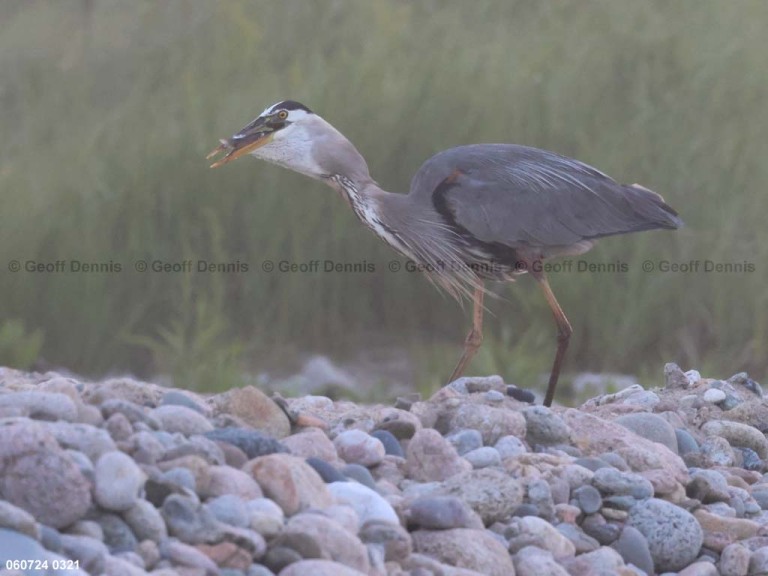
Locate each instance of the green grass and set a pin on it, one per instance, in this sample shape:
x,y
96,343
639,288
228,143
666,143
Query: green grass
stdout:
x,y
110,107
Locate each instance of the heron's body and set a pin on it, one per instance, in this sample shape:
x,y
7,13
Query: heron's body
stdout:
x,y
473,213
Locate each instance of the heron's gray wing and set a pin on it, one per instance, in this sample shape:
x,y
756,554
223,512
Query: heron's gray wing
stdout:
x,y
521,196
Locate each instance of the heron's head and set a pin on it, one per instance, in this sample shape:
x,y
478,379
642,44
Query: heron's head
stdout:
x,y
291,135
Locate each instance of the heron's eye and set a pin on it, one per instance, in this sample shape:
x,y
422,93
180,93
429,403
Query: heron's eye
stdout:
x,y
282,115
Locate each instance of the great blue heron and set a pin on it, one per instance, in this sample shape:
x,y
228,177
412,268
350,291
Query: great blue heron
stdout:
x,y
474,213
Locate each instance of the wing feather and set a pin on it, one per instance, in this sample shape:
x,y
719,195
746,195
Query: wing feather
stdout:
x,y
521,196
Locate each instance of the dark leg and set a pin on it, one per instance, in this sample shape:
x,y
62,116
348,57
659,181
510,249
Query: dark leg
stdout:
x,y
564,332
475,336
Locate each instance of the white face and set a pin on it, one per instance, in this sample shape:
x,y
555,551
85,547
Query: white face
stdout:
x,y
292,145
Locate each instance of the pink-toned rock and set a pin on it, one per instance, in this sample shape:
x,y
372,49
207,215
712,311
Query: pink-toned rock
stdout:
x,y
254,408
58,497
290,482
227,480
493,423
465,548
594,436
311,443
432,458
739,528
339,544
358,447
227,555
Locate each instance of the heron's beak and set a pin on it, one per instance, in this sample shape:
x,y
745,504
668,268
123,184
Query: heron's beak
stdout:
x,y
255,135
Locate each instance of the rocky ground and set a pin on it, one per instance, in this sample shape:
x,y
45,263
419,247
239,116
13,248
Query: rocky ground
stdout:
x,y
123,477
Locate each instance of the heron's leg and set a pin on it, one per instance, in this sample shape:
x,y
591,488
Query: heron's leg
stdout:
x,y
564,332
475,337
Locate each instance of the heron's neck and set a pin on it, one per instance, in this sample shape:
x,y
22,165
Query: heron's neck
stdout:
x,y
365,199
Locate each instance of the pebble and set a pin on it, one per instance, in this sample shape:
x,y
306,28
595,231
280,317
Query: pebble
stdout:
x,y
118,481
534,531
634,549
471,549
652,427
534,560
467,440
734,560
252,442
483,457
357,447
327,472
430,457
588,499
60,496
359,474
713,396
614,482
544,427
686,444
491,493
290,482
369,505
443,513
510,447
674,536
391,444
180,419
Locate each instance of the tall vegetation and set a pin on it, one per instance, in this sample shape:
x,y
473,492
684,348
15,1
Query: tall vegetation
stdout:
x,y
108,109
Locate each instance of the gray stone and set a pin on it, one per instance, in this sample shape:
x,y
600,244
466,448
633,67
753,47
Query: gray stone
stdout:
x,y
15,518
533,531
545,427
491,422
588,499
175,418
633,547
326,471
39,405
686,444
442,513
465,440
734,560
674,536
532,560
118,481
394,538
718,451
758,562
614,482
483,457
229,509
510,447
91,441
650,426
391,444
178,398
252,442
335,542
360,474
368,504
493,494
189,521
90,553
582,541
145,521
118,536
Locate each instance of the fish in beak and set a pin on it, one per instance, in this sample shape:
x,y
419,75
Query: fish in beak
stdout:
x,y
255,135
